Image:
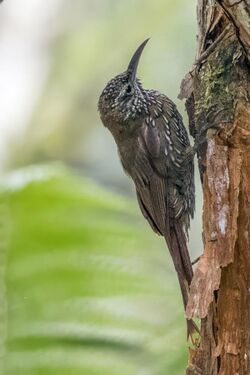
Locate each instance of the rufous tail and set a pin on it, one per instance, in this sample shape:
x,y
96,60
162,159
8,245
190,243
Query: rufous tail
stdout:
x,y
177,244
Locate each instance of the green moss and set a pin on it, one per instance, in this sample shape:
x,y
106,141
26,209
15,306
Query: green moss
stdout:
x,y
214,86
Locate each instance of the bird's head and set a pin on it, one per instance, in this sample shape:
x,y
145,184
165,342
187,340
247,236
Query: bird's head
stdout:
x,y
123,97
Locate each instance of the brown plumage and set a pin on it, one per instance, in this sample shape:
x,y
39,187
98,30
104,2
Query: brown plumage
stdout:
x,y
152,144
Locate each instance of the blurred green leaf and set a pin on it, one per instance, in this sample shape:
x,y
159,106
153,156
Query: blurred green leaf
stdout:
x,y
89,287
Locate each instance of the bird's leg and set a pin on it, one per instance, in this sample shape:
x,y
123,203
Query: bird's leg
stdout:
x,y
200,138
192,150
189,155
196,260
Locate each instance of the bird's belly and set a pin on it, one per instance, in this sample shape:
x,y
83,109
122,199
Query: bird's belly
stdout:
x,y
127,151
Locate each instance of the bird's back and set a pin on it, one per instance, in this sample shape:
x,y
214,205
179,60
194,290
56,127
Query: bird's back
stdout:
x,y
153,155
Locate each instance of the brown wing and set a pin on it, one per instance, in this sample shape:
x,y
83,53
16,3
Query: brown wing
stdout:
x,y
150,188
169,188
165,186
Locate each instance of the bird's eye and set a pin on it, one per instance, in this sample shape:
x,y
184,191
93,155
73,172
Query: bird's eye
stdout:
x,y
129,89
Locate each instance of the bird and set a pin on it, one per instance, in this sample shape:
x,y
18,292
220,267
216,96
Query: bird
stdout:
x,y
153,147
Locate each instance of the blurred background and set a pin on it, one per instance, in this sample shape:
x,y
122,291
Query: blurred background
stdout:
x,y
85,286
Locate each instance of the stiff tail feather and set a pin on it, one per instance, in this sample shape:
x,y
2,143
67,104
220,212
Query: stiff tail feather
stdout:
x,y
177,244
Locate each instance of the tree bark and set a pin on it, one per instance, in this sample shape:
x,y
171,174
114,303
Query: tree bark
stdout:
x,y
217,93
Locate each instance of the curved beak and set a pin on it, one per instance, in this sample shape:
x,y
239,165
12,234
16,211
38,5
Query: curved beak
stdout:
x,y
132,67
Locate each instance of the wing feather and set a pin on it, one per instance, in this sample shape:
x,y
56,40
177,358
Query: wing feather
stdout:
x,y
164,186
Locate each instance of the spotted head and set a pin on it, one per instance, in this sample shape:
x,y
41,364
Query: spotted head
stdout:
x,y
123,98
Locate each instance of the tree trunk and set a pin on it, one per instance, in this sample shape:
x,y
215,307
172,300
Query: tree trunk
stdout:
x,y
217,93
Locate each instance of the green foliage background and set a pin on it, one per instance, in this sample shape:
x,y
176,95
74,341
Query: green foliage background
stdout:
x,y
90,290
94,41
85,286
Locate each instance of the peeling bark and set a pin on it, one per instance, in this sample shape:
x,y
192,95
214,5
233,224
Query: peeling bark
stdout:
x,y
217,93
238,12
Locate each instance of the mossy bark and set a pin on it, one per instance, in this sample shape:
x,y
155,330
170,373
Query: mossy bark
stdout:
x,y
217,93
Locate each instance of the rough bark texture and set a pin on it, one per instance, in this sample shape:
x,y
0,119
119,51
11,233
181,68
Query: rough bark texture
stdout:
x,y
217,93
